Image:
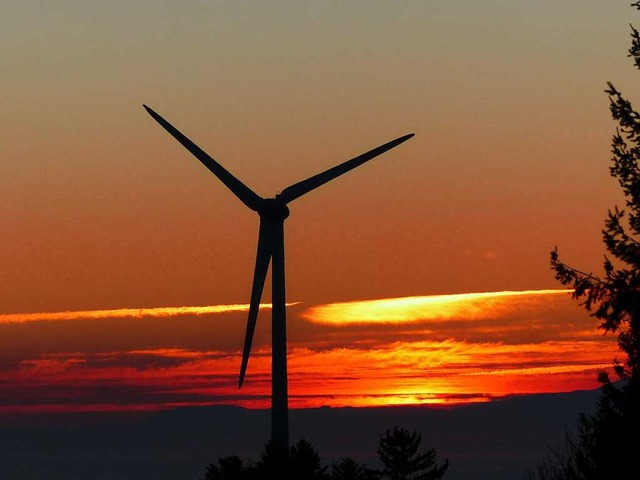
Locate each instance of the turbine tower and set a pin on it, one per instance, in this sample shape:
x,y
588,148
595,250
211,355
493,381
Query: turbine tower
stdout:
x,y
273,212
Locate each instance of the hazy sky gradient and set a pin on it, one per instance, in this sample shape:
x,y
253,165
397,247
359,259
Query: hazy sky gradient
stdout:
x,y
101,209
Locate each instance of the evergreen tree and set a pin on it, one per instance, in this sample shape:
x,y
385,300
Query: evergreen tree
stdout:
x,y
598,450
274,461
300,462
349,469
305,462
398,450
228,468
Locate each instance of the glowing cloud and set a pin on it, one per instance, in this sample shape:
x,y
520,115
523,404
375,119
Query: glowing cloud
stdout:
x,y
445,349
158,312
462,306
396,373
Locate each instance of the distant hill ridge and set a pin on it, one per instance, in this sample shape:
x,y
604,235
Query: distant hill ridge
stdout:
x,y
496,439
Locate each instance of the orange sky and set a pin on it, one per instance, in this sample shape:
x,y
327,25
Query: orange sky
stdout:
x,y
511,343
101,210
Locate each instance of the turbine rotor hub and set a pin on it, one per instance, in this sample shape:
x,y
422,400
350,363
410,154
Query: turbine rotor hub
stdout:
x,y
273,210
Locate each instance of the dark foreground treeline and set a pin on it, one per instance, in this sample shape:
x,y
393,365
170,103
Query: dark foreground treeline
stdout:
x,y
398,450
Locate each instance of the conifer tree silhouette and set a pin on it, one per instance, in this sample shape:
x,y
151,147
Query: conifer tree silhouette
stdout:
x,y
349,469
228,468
597,450
398,450
305,463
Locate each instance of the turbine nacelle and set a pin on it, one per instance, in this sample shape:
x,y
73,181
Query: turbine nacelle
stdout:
x,y
273,210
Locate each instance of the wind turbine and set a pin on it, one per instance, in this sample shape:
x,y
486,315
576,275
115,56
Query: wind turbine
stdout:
x,y
273,212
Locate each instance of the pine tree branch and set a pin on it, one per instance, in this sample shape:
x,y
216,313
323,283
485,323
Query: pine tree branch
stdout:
x,y
556,262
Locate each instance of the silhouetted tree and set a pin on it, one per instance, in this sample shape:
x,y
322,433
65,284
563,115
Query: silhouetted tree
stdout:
x,y
349,469
229,468
300,462
560,463
274,461
398,450
305,462
598,450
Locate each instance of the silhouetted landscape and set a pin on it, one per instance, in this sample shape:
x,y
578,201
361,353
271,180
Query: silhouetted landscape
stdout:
x,y
90,254
492,440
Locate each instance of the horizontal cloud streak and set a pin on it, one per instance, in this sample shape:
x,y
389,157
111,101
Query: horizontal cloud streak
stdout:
x,y
157,312
438,308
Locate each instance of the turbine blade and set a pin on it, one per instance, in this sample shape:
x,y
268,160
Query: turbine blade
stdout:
x,y
244,193
298,189
263,258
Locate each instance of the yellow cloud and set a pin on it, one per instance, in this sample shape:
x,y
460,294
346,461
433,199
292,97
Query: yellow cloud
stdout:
x,y
158,312
462,306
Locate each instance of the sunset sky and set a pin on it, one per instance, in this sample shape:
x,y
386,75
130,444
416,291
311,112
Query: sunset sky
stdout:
x,y
421,277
